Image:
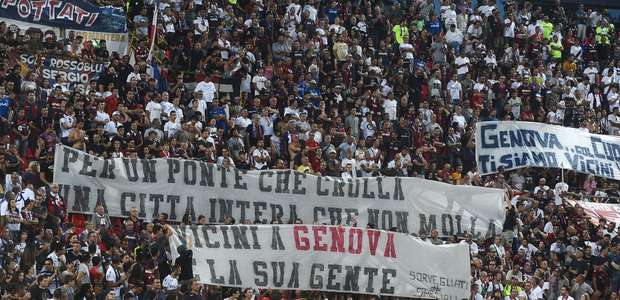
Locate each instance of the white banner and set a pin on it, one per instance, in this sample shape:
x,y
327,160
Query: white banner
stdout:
x,y
598,211
177,187
325,258
514,145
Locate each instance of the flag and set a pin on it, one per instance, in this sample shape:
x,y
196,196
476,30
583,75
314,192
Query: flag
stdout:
x,y
153,31
156,74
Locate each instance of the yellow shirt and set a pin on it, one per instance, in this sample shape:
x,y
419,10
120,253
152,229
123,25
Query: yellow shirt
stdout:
x,y
568,66
556,49
602,34
399,33
304,169
547,28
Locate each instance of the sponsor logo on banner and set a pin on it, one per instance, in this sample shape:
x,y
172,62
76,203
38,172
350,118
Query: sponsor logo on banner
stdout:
x,y
180,187
514,145
324,258
73,69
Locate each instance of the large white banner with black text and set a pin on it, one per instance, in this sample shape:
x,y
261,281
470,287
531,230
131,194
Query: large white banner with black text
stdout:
x,y
514,145
325,258
177,187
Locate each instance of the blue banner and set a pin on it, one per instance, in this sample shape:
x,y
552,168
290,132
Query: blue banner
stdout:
x,y
74,14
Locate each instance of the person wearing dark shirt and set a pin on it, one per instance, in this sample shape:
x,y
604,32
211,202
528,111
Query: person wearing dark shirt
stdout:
x,y
185,261
196,291
579,265
41,291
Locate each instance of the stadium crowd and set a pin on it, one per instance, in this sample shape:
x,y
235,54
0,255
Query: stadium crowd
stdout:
x,y
336,88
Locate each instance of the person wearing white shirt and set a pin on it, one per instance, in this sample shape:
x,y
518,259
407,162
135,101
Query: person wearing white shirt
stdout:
x,y
509,29
389,107
560,188
114,278
201,24
259,82
454,38
67,122
154,109
111,128
406,50
458,117
171,282
261,156
26,194
4,205
166,106
614,121
312,12
490,60
243,121
349,159
564,294
498,248
266,123
595,99
462,64
348,173
473,246
174,106
200,105
101,117
58,259
613,97
368,126
367,165
169,20
448,15
529,293
528,248
207,88
542,186
294,11
455,90
474,31
133,75
484,9
591,72
553,118
172,126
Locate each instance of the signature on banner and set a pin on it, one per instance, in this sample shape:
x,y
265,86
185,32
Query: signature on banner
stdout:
x,y
432,292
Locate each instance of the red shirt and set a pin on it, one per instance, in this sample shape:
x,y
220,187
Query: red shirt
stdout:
x,y
111,104
95,275
312,144
315,163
